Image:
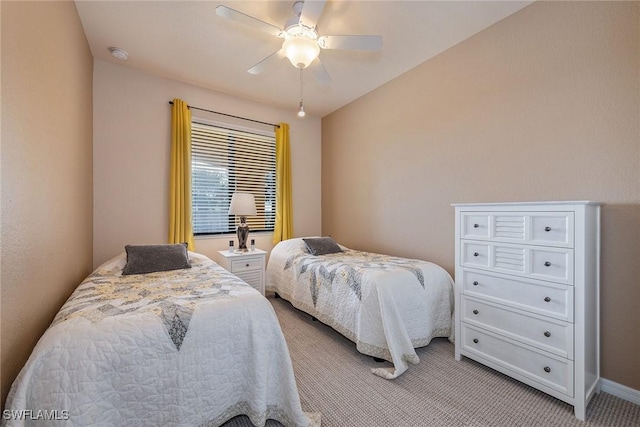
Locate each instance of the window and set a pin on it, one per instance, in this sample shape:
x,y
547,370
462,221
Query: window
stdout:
x,y
225,160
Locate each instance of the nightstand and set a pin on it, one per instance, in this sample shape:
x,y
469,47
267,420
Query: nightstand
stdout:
x,y
249,266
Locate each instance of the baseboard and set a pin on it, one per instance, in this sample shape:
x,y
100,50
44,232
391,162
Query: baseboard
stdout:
x,y
619,390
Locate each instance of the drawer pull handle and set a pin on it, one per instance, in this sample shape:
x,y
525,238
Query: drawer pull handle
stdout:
x,y
475,340
547,264
547,299
475,283
475,311
476,254
547,334
547,369
547,228
476,225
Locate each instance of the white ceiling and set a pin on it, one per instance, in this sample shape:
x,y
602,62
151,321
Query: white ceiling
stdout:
x,y
187,41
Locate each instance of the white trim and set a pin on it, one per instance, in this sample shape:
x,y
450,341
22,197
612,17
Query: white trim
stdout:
x,y
619,390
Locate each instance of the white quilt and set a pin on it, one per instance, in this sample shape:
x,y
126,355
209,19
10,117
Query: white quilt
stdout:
x,y
387,305
192,347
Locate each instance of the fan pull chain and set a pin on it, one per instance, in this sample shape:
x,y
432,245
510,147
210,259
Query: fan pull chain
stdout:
x,y
301,112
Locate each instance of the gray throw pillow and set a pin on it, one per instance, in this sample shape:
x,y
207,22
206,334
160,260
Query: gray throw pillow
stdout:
x,y
322,245
142,259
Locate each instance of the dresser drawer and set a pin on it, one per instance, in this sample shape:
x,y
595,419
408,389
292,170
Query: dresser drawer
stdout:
x,y
552,264
545,263
550,335
475,254
475,225
552,229
238,266
539,366
545,298
536,228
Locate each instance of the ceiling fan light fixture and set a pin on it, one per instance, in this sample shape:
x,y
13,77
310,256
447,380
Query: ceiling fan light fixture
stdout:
x,y
301,50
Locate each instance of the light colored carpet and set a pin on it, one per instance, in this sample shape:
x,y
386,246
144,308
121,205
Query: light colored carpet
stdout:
x,y
334,379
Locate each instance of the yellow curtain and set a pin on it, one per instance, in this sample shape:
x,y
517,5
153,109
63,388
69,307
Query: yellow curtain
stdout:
x,y
284,211
180,225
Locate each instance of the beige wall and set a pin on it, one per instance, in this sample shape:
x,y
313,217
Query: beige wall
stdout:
x,y
46,170
544,105
132,137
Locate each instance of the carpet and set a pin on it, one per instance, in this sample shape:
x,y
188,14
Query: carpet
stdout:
x,y
335,380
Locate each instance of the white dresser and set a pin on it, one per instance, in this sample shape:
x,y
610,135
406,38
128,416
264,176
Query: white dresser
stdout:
x,y
527,294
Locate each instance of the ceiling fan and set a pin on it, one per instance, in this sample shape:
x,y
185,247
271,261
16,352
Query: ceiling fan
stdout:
x,y
302,43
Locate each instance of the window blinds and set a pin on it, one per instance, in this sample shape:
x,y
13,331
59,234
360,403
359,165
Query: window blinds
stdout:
x,y
225,161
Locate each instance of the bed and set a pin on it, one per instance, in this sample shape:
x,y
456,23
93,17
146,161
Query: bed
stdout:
x,y
387,305
193,346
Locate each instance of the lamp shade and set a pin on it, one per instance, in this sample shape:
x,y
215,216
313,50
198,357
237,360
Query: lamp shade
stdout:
x,y
243,204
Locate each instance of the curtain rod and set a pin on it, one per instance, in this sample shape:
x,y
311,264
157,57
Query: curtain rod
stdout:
x,y
229,115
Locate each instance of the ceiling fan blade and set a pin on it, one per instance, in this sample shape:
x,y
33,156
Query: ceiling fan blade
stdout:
x,y
350,42
234,15
320,72
311,11
260,66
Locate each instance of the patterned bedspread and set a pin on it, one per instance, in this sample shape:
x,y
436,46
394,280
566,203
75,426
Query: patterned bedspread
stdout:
x,y
387,305
187,347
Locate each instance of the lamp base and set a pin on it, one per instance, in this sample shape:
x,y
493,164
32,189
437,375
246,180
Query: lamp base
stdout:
x,y
243,234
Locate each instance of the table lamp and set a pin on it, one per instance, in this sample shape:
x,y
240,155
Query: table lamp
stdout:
x,y
242,204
